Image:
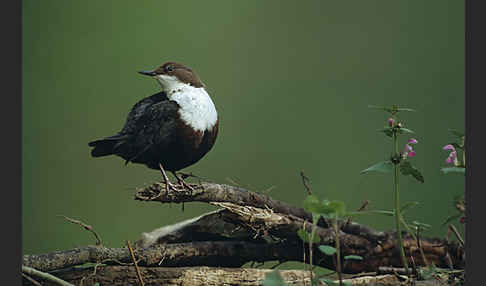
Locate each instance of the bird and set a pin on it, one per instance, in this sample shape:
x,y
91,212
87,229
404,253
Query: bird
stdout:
x,y
169,130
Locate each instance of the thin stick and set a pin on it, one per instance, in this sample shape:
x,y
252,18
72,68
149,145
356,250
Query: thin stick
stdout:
x,y
456,233
361,208
305,181
31,280
420,247
85,226
47,276
135,263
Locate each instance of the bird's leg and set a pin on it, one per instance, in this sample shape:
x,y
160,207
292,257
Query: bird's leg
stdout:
x,y
182,182
168,184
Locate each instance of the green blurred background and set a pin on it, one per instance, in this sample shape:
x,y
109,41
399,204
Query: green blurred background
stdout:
x,y
291,81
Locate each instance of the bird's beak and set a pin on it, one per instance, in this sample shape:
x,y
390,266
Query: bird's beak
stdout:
x,y
149,73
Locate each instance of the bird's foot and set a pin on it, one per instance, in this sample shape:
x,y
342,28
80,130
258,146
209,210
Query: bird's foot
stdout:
x,y
183,183
168,185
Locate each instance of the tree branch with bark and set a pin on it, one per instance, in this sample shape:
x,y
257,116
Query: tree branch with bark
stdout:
x,y
248,227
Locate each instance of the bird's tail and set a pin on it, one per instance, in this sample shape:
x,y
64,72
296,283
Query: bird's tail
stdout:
x,y
106,146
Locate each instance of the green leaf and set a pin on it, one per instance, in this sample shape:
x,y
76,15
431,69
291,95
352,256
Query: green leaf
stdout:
x,y
456,133
388,131
329,282
312,204
354,257
393,110
421,225
380,107
383,167
407,169
407,205
457,145
406,109
327,249
306,237
451,218
402,130
382,212
447,170
338,208
274,279
96,284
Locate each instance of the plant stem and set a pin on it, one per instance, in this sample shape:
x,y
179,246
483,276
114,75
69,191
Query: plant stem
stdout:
x,y
338,252
397,206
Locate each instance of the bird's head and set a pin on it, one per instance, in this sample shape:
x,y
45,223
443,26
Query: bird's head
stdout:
x,y
172,75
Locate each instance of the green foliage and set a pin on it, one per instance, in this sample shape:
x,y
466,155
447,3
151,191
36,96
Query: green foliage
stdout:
x,y
428,273
330,282
388,131
324,208
313,205
408,169
423,226
327,249
274,279
306,237
403,130
457,145
353,257
457,133
452,218
447,170
407,205
392,110
380,212
383,167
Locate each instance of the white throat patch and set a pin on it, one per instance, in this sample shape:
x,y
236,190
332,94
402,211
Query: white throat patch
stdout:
x,y
196,107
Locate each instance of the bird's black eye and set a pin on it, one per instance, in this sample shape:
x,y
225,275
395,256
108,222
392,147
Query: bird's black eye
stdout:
x,y
169,68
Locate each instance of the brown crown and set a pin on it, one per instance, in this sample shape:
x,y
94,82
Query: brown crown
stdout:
x,y
183,73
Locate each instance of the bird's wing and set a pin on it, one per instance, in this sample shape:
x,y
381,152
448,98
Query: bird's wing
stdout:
x,y
150,122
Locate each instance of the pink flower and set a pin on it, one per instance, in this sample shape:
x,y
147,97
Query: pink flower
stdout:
x,y
408,151
412,141
449,147
391,121
452,156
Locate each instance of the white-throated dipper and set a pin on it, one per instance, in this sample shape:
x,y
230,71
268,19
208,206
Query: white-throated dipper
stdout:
x,y
169,130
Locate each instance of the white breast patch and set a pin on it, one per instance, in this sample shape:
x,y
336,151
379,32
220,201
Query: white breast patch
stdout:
x,y
196,107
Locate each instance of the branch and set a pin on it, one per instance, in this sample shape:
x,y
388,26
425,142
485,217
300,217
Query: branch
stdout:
x,y
210,192
192,276
45,276
172,276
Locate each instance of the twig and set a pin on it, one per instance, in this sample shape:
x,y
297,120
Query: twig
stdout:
x,y
135,263
90,275
85,226
361,208
420,247
47,276
456,233
305,181
31,280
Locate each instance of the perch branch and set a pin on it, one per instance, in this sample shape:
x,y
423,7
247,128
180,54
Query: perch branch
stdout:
x,y
211,192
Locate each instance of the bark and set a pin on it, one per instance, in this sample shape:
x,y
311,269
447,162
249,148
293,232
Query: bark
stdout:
x,y
249,227
192,276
